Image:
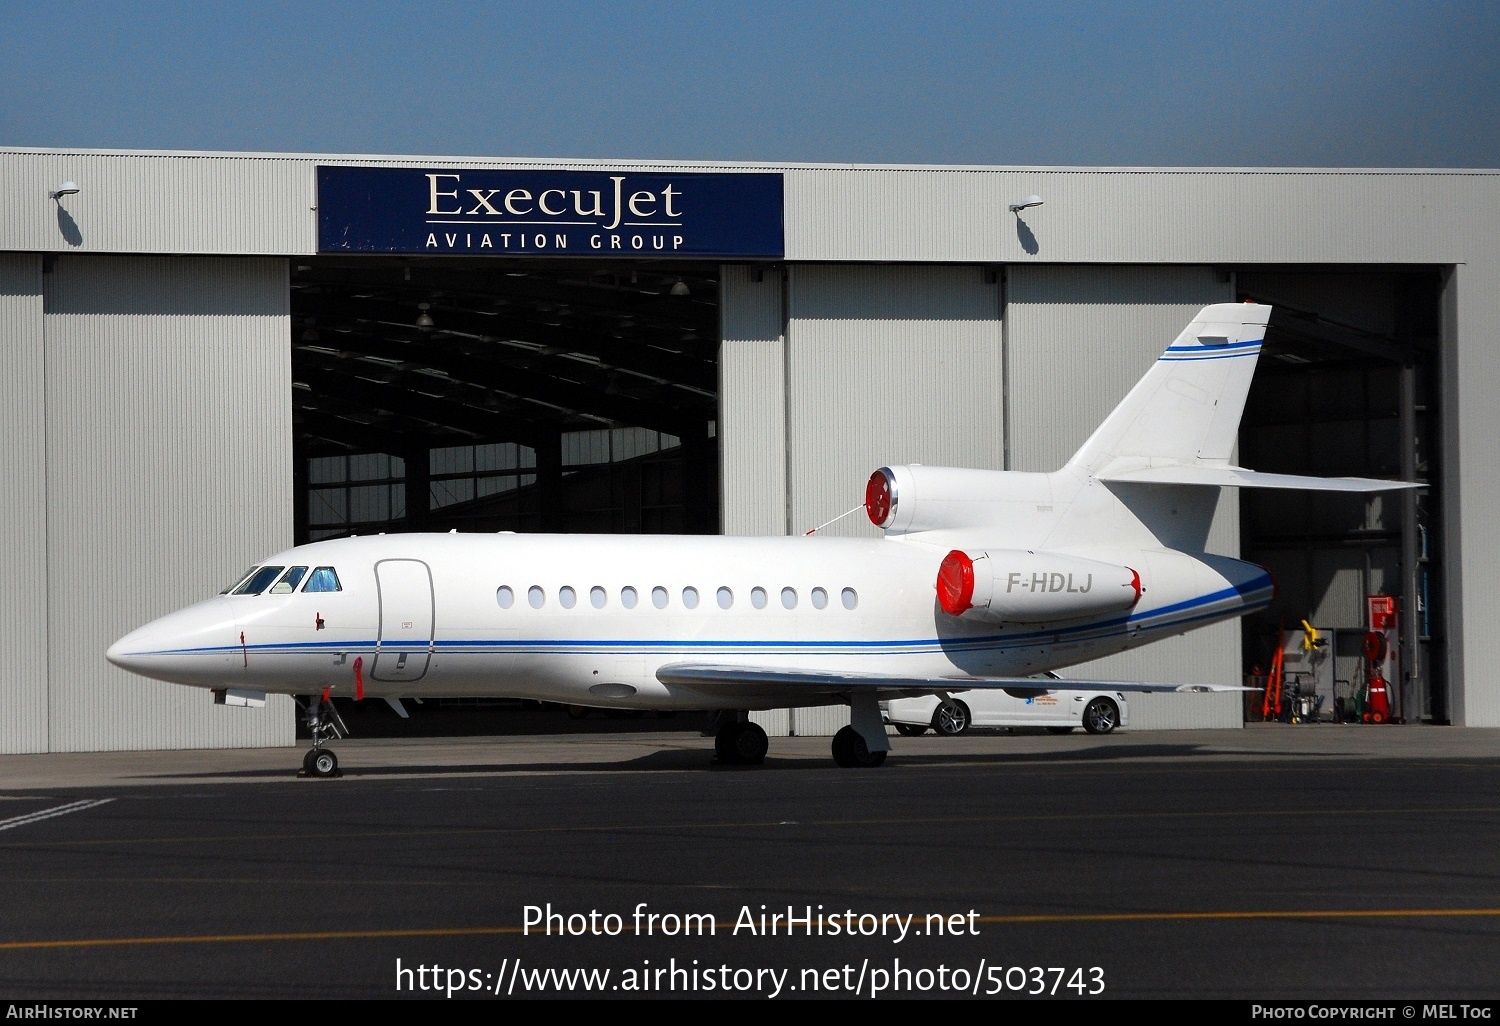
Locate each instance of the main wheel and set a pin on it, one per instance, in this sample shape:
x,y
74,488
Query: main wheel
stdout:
x,y
851,752
323,763
910,729
741,744
750,744
951,718
1101,716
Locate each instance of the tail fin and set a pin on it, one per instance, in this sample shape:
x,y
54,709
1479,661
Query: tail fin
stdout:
x,y
1186,411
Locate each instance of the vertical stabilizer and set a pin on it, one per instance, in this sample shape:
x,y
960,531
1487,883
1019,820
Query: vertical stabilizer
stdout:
x,y
1186,410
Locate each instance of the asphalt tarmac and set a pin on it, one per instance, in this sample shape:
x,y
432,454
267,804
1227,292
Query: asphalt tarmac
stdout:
x,y
1312,862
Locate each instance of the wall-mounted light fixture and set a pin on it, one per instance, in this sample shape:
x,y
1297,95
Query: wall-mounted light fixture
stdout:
x,y
1029,201
681,289
67,188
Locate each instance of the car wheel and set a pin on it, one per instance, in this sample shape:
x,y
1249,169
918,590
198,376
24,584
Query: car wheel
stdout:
x,y
951,718
910,729
1101,716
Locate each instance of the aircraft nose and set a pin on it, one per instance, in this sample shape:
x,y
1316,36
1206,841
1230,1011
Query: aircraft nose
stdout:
x,y
185,647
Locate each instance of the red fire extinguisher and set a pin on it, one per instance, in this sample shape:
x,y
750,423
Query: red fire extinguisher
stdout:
x,y
1377,699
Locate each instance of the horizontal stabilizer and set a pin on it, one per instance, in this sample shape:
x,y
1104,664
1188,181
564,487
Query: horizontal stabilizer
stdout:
x,y
763,681
1239,477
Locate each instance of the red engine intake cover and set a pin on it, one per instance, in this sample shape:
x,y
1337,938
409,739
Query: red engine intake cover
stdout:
x,y
955,583
878,498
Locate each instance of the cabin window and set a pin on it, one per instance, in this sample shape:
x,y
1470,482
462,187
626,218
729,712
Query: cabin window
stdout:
x,y
758,598
627,597
324,578
565,597
726,598
260,580
690,597
819,598
289,581
239,580
597,597
789,598
659,597
850,598
505,596
536,596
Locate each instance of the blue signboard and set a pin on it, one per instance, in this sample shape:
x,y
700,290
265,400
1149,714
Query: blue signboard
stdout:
x,y
611,214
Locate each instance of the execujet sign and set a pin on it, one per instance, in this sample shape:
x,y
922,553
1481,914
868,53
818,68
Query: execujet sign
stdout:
x,y
548,213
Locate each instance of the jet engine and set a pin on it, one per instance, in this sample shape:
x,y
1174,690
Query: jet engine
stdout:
x,y
914,498
1017,586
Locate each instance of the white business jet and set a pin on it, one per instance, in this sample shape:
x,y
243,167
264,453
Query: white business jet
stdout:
x,y
982,580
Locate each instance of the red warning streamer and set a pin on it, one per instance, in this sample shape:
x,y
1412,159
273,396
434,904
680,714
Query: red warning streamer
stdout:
x,y
359,679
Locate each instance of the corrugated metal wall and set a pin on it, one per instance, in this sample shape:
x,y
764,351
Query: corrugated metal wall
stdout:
x,y
887,365
1138,216
23,509
168,429
752,401
1077,340
1471,424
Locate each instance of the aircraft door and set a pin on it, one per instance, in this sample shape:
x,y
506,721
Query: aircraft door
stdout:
x,y
404,647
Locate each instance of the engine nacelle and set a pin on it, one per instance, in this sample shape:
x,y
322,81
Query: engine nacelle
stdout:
x,y
1015,586
909,499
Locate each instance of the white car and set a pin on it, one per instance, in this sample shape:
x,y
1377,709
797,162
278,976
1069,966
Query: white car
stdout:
x,y
1097,712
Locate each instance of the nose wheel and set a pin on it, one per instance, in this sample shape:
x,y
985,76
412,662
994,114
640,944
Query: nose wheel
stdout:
x,y
323,723
320,762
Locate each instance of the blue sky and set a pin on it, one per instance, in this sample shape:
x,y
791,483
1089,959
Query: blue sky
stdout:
x,y
1305,84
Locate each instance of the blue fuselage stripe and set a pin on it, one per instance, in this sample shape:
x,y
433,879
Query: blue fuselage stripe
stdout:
x,y
1251,594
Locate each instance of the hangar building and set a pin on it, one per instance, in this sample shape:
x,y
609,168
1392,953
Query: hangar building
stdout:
x,y
213,355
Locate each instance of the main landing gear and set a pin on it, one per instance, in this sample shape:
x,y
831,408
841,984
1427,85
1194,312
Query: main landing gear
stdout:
x,y
740,743
323,723
851,752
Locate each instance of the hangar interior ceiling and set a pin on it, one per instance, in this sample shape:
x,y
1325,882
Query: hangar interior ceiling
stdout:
x,y
1348,385
432,394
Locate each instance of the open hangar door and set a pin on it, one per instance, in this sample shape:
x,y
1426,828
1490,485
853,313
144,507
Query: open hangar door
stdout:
x,y
434,394
1347,386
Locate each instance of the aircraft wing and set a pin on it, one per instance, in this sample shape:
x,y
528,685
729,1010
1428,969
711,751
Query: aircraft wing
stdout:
x,y
1239,477
758,681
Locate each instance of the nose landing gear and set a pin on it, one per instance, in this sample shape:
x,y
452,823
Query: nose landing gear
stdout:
x,y
323,723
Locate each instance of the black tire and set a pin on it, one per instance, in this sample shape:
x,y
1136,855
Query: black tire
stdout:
x,y
951,718
851,752
750,744
323,763
1059,730
910,729
740,744
307,761
577,712
1101,716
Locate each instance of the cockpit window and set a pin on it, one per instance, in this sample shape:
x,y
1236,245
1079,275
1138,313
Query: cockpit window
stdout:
x,y
289,581
324,578
241,579
259,581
